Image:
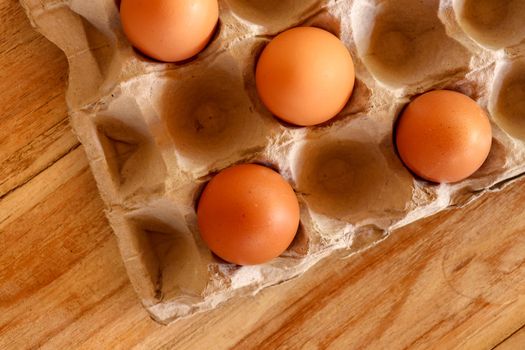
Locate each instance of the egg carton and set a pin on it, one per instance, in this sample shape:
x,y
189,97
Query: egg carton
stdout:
x,y
155,133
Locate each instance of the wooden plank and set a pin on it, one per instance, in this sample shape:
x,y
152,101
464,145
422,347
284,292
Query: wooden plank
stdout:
x,y
36,156
452,281
33,74
515,342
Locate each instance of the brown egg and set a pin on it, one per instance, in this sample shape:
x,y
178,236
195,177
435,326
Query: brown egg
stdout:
x,y
305,76
169,30
443,136
248,214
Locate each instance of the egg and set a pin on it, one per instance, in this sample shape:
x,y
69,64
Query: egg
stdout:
x,y
248,214
443,136
169,30
305,76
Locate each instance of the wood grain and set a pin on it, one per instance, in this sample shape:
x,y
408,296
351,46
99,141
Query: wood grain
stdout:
x,y
452,281
514,341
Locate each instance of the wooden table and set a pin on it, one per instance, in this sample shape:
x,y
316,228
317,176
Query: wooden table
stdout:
x,y
452,281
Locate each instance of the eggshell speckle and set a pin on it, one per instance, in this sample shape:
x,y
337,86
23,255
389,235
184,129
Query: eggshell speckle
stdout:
x,y
248,214
443,136
305,76
169,30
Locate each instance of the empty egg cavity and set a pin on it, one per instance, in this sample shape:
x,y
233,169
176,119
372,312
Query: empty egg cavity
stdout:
x,y
177,266
352,180
492,23
508,98
404,43
209,116
129,149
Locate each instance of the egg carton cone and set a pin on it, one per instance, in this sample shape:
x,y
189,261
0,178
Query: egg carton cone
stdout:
x,y
155,133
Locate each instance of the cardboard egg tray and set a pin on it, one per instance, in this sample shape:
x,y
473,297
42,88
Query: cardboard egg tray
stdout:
x,y
155,133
